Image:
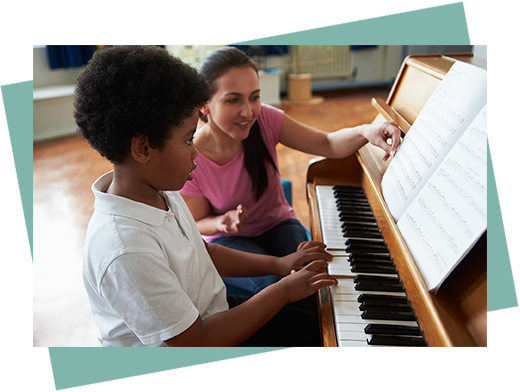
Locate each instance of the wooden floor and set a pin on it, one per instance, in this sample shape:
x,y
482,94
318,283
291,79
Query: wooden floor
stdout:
x,y
64,171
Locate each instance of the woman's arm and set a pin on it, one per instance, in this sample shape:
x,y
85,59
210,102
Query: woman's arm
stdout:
x,y
341,143
233,326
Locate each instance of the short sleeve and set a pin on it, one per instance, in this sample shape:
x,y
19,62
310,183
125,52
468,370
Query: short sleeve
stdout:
x,y
270,121
148,297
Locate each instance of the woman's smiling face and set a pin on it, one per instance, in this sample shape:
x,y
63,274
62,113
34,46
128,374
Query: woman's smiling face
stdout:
x,y
235,106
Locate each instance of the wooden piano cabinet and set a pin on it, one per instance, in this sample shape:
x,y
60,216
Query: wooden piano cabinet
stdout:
x,y
457,314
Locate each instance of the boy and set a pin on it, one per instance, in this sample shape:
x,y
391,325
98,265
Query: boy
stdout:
x,y
150,277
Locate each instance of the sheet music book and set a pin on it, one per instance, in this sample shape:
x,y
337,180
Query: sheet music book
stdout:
x,y
436,185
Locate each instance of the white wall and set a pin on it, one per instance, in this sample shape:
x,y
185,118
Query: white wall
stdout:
x,y
52,98
44,76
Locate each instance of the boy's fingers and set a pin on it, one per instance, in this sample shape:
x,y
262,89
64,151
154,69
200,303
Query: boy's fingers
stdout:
x,y
323,283
316,265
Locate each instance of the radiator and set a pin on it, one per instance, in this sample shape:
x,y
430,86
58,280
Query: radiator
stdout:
x,y
323,61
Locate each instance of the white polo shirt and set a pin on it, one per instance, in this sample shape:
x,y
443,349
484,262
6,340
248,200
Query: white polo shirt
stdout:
x,y
147,272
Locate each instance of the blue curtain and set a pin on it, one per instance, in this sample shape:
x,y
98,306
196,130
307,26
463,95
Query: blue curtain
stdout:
x,y
359,47
65,56
264,50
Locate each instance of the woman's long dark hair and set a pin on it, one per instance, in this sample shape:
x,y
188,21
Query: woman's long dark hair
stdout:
x,y
256,153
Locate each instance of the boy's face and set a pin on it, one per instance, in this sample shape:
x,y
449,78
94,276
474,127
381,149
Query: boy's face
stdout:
x,y
173,164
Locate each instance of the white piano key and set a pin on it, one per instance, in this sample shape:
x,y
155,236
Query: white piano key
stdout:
x,y
338,252
349,319
347,308
347,297
340,266
353,343
349,335
351,327
333,244
340,272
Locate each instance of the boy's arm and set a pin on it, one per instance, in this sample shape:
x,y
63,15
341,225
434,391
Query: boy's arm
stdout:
x,y
234,263
233,326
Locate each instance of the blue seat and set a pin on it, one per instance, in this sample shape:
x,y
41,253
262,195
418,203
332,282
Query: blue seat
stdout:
x,y
287,188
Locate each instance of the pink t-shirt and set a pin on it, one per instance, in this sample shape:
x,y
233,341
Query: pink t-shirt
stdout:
x,y
229,185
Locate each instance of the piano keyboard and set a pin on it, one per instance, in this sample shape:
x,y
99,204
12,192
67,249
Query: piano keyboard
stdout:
x,y
369,303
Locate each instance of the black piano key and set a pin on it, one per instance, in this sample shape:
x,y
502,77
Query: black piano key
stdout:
x,y
379,242
346,199
387,308
378,287
358,222
353,215
365,231
373,249
389,329
361,234
372,269
382,340
377,279
356,205
373,314
354,225
384,305
369,231
377,298
369,255
368,258
349,189
361,208
362,204
353,198
357,215
377,283
341,197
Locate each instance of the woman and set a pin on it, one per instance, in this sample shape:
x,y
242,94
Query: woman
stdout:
x,y
236,196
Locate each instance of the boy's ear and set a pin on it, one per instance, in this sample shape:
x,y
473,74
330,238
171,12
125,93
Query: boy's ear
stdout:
x,y
204,110
140,148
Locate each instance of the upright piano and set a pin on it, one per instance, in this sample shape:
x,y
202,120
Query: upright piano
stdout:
x,y
368,307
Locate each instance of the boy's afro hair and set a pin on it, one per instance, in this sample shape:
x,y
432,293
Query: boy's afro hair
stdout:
x,y
126,91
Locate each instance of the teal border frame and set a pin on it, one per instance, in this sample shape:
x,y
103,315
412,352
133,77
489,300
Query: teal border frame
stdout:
x,y
383,23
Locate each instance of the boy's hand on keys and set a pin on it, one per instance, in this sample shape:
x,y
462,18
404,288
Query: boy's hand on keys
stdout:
x,y
307,251
300,284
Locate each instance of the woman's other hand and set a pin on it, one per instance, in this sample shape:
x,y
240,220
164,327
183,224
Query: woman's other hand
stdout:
x,y
232,222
